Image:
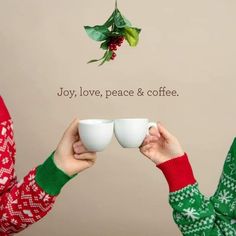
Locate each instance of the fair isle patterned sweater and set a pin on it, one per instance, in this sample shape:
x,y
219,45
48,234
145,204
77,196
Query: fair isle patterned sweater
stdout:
x,y
27,201
195,214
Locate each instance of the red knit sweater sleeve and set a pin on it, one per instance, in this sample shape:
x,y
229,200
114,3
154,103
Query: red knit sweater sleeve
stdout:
x,y
178,173
21,203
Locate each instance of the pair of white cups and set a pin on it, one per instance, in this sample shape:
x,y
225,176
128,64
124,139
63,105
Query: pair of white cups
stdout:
x,y
96,134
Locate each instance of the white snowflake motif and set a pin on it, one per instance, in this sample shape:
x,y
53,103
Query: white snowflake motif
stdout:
x,y
191,214
217,205
232,206
5,160
178,217
232,168
44,196
4,217
195,191
31,177
224,196
41,195
14,221
192,200
32,183
35,187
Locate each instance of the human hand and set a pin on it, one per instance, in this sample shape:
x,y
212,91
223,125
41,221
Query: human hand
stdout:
x,y
71,156
161,145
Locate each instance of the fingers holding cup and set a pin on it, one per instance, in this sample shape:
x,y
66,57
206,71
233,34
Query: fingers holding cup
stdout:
x,y
89,156
79,148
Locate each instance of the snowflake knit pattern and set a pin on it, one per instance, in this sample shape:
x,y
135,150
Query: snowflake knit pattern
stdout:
x,y
197,215
27,201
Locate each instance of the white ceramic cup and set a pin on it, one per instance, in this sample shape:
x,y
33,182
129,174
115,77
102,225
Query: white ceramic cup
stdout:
x,y
96,134
130,133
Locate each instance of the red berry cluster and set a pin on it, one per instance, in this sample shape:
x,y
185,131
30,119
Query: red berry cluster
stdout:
x,y
114,43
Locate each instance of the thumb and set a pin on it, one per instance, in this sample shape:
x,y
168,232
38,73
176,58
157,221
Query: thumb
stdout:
x,y
164,132
72,129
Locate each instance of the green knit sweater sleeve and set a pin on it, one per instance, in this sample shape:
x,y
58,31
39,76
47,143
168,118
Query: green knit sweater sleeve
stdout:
x,y
50,178
194,213
224,199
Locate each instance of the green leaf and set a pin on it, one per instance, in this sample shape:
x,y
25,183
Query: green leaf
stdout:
x,y
107,57
104,45
110,20
117,32
97,32
132,35
96,60
120,21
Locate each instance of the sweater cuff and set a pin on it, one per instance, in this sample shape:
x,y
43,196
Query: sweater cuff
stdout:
x,y
4,114
50,178
178,173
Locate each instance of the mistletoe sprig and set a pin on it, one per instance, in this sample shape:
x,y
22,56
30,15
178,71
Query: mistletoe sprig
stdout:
x,y
112,34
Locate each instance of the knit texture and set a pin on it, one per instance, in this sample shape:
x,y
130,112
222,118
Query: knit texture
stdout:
x,y
50,178
196,214
25,202
178,172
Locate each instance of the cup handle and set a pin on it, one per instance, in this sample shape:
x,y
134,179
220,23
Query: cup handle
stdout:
x,y
150,125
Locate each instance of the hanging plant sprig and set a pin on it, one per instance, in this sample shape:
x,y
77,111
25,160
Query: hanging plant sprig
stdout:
x,y
112,34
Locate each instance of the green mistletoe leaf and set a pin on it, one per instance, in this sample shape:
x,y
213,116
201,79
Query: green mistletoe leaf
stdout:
x,y
120,21
96,60
110,20
132,35
97,32
107,57
104,45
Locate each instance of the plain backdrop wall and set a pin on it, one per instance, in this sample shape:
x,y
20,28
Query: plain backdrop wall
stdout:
x,y
184,45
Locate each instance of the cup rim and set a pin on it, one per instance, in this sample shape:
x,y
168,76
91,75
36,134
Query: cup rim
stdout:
x,y
90,121
130,119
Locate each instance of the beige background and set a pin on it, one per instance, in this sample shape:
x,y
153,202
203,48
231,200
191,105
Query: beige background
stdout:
x,y
185,45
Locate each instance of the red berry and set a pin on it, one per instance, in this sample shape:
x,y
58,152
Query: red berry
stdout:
x,y
121,39
111,47
113,55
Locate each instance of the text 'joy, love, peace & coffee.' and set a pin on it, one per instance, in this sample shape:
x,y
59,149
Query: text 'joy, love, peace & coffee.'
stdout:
x,y
162,91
